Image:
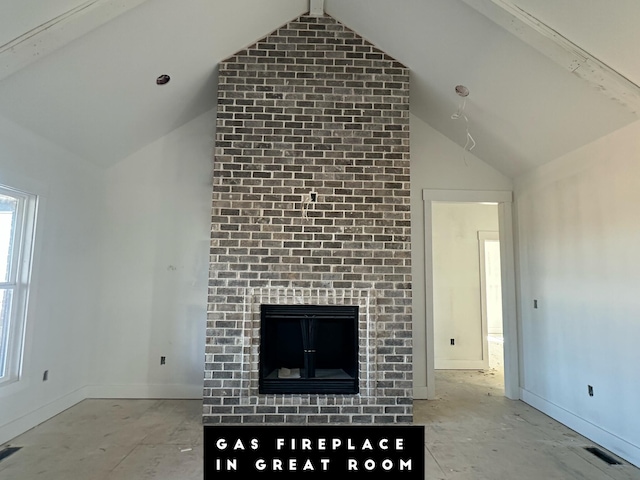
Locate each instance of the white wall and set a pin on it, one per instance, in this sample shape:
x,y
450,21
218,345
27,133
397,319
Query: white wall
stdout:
x,y
437,163
457,308
155,252
579,232
65,280
120,272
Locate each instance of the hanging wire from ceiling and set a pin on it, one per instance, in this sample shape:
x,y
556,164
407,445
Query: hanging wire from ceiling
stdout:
x,y
463,92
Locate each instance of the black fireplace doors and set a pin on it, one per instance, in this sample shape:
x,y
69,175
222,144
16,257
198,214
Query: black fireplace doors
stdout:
x,y
309,349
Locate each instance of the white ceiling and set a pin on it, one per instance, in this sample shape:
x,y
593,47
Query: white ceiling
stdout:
x,y
20,16
608,29
96,94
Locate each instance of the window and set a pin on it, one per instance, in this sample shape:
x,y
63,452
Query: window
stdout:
x,y
17,221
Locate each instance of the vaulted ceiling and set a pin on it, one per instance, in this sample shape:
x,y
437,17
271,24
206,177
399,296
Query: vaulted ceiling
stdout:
x,y
544,76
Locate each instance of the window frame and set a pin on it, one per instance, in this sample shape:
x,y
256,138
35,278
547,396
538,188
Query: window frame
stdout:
x,y
18,281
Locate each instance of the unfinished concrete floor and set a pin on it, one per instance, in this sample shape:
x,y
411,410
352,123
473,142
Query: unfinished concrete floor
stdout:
x,y
472,432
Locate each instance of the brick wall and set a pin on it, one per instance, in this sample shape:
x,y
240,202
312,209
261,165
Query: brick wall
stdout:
x,y
311,107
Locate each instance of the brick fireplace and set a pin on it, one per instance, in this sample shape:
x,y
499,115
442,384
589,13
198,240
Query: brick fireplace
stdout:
x,y
311,206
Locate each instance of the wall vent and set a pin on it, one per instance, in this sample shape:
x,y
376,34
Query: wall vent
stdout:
x,y
602,455
7,452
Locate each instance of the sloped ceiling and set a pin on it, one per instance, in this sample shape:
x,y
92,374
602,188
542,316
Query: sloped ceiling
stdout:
x,y
96,94
606,29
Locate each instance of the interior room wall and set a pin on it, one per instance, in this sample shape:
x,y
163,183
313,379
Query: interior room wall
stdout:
x,y
437,163
155,252
579,231
65,277
457,304
145,308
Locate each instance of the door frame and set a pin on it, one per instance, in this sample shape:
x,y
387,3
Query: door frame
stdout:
x,y
484,237
504,199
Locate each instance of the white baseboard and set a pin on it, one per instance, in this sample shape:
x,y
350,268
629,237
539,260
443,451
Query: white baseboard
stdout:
x,y
609,441
172,391
461,364
20,425
420,393
42,414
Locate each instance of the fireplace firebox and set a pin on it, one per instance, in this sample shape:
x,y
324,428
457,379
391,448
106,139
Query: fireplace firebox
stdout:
x,y
309,349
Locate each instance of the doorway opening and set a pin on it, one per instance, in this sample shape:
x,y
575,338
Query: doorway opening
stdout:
x,y
463,340
466,287
491,298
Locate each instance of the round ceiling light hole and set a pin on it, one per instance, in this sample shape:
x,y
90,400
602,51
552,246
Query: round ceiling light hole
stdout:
x,y
462,90
163,79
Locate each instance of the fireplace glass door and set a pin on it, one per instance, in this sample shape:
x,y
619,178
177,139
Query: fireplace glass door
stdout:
x,y
309,349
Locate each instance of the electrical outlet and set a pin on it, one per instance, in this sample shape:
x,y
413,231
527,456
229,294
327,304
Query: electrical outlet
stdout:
x,y
535,304
313,196
45,376
163,360
453,341
590,390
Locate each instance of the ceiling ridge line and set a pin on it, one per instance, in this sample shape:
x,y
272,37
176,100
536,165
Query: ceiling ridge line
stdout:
x,y
46,25
56,33
316,8
560,49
